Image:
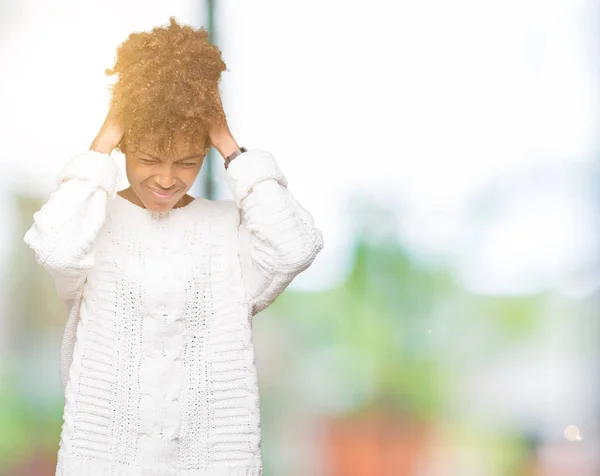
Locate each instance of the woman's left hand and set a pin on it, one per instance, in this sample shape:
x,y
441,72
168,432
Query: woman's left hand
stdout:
x,y
219,135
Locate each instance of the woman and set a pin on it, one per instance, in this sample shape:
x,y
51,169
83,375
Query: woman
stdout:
x,y
157,360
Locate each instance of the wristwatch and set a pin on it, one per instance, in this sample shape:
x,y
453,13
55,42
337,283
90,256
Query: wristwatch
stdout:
x,y
234,154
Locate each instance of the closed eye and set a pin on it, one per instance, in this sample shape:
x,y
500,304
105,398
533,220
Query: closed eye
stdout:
x,y
189,164
146,161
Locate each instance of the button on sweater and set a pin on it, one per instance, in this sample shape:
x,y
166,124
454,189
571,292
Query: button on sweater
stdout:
x,y
157,358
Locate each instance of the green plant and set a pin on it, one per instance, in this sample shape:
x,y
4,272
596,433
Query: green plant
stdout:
x,y
382,339
372,335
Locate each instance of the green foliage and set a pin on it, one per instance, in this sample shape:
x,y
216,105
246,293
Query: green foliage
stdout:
x,y
379,320
516,317
23,423
383,336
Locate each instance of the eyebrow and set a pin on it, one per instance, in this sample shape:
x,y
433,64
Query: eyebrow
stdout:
x,y
178,160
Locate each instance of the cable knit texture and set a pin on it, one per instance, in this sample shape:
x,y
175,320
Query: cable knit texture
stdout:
x,y
157,359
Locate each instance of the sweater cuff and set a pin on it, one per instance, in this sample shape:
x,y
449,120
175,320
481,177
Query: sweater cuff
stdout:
x,y
94,166
249,169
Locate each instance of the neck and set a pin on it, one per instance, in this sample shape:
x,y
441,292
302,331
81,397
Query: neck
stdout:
x,y
129,194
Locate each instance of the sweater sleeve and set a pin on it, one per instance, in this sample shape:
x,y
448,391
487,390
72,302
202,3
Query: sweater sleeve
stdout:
x,y
277,238
64,229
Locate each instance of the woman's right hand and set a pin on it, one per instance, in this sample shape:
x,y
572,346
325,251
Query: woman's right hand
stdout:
x,y
110,134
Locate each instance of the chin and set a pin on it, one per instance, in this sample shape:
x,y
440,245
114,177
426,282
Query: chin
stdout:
x,y
160,204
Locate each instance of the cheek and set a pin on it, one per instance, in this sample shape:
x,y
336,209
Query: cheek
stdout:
x,y
188,176
139,172
137,177
131,178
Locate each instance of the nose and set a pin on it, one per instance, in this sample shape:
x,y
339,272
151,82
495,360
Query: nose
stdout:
x,y
166,178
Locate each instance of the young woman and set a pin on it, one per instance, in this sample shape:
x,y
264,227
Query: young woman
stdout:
x,y
157,359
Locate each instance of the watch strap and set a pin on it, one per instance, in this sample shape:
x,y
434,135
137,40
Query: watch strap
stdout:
x,y
234,154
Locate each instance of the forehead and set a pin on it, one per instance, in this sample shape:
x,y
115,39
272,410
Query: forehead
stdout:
x,y
179,148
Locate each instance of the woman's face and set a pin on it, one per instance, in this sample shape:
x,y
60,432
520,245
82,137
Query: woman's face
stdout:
x,y
160,181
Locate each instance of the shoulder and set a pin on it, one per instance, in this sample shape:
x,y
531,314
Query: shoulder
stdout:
x,y
220,219
223,209
222,216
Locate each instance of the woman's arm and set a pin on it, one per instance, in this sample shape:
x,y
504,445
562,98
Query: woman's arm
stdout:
x,y
277,238
64,229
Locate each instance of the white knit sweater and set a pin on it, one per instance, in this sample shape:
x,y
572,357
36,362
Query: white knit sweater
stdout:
x,y
157,359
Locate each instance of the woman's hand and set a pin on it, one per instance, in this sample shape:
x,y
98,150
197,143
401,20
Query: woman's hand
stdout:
x,y
110,134
219,135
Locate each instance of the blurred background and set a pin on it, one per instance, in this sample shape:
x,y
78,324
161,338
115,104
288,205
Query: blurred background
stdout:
x,y
450,154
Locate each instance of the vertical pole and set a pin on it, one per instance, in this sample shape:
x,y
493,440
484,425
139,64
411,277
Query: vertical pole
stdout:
x,y
211,158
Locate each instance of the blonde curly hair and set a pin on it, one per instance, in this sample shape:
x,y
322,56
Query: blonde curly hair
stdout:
x,y
167,85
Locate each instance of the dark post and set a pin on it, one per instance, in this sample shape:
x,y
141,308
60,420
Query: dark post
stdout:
x,y
210,160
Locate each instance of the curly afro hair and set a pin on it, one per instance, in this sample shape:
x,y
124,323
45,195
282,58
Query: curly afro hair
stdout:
x,y
167,85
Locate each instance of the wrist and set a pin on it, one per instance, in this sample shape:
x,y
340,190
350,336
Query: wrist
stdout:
x,y
233,155
103,145
226,145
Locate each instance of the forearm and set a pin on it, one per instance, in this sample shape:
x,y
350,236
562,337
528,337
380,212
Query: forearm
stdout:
x,y
104,144
65,227
110,134
64,231
225,144
282,231
277,235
